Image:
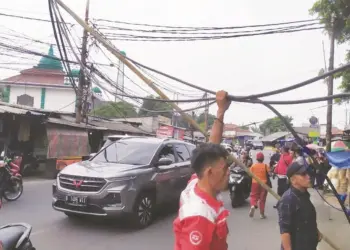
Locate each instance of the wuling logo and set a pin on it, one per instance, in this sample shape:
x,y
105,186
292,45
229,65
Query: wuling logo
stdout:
x,y
77,183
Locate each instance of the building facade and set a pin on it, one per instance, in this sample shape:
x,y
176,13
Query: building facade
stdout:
x,y
44,86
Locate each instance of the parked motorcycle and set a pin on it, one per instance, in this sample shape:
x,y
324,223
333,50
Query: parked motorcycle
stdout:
x,y
16,236
11,179
239,186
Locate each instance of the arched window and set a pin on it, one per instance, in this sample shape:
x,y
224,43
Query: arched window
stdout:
x,y
26,100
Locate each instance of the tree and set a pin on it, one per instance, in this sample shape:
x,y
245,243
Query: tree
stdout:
x,y
115,110
335,16
150,105
211,118
274,125
244,127
256,129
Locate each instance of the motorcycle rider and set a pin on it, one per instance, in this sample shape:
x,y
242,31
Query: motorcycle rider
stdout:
x,y
275,157
246,159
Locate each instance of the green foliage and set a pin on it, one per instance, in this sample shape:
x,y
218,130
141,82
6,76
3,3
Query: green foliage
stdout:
x,y
211,118
339,12
256,129
274,125
244,127
115,110
155,106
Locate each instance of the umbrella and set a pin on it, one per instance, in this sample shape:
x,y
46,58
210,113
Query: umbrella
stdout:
x,y
337,146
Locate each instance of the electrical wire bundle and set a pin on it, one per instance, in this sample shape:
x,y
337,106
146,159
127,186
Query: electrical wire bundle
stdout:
x,y
128,31
62,32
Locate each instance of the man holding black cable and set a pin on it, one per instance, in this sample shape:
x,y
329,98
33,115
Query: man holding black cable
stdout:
x,y
297,214
201,222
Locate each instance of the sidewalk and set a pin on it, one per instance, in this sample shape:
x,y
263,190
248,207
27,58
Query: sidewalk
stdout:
x,y
331,222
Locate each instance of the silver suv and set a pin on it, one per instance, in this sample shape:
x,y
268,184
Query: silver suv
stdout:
x,y
130,176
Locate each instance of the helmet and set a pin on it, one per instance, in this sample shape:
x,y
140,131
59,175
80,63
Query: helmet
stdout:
x,y
260,156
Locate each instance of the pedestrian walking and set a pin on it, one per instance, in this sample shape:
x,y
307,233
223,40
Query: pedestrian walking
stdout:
x,y
258,194
281,171
201,222
297,214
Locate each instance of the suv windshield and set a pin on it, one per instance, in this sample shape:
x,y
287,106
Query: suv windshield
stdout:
x,y
127,152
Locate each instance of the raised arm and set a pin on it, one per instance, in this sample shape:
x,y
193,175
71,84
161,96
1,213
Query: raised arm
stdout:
x,y
218,127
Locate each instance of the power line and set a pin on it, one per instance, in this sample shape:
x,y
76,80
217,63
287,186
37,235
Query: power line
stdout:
x,y
29,18
101,75
126,37
205,28
198,32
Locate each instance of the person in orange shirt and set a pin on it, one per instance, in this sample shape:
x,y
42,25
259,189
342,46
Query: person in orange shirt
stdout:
x,y
258,194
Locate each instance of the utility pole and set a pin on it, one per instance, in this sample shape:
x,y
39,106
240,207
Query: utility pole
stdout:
x,y
82,80
111,48
330,90
346,116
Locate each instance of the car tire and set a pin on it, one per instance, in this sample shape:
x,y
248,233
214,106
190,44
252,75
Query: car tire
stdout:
x,y
144,208
236,201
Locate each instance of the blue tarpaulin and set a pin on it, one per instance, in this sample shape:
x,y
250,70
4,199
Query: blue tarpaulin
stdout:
x,y
339,159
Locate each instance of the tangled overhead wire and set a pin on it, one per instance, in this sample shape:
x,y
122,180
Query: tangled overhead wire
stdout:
x,y
162,33
257,100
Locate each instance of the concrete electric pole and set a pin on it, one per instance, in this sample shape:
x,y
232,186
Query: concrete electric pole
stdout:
x,y
330,91
82,79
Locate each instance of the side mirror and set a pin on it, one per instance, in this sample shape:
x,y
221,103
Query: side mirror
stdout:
x,y
92,155
164,162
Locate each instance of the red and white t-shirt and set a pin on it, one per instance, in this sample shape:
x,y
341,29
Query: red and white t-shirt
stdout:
x,y
201,222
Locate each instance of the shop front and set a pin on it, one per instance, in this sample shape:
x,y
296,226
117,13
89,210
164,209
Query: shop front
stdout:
x,y
168,131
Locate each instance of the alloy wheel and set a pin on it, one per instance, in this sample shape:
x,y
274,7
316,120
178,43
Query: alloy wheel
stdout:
x,y
145,211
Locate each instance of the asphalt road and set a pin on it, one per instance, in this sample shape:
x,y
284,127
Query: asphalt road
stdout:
x,y
53,230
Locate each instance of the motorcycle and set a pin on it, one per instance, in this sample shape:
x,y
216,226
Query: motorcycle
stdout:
x,y
12,183
16,236
239,186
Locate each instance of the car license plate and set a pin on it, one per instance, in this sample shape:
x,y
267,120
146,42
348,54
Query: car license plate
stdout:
x,y
76,200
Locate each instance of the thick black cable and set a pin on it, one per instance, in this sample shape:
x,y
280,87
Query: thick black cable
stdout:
x,y
67,68
131,97
64,50
237,98
153,99
32,52
300,101
302,143
205,28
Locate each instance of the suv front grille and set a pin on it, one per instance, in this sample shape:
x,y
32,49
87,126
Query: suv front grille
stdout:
x,y
80,183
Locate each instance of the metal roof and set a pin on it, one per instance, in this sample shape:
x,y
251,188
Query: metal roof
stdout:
x,y
65,122
18,111
274,136
118,126
32,109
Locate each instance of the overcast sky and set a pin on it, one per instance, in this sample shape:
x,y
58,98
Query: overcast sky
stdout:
x,y
242,66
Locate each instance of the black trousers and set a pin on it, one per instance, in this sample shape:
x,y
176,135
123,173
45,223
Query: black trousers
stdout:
x,y
282,186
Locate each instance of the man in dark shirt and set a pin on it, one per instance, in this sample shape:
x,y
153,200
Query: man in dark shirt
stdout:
x,y
297,215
